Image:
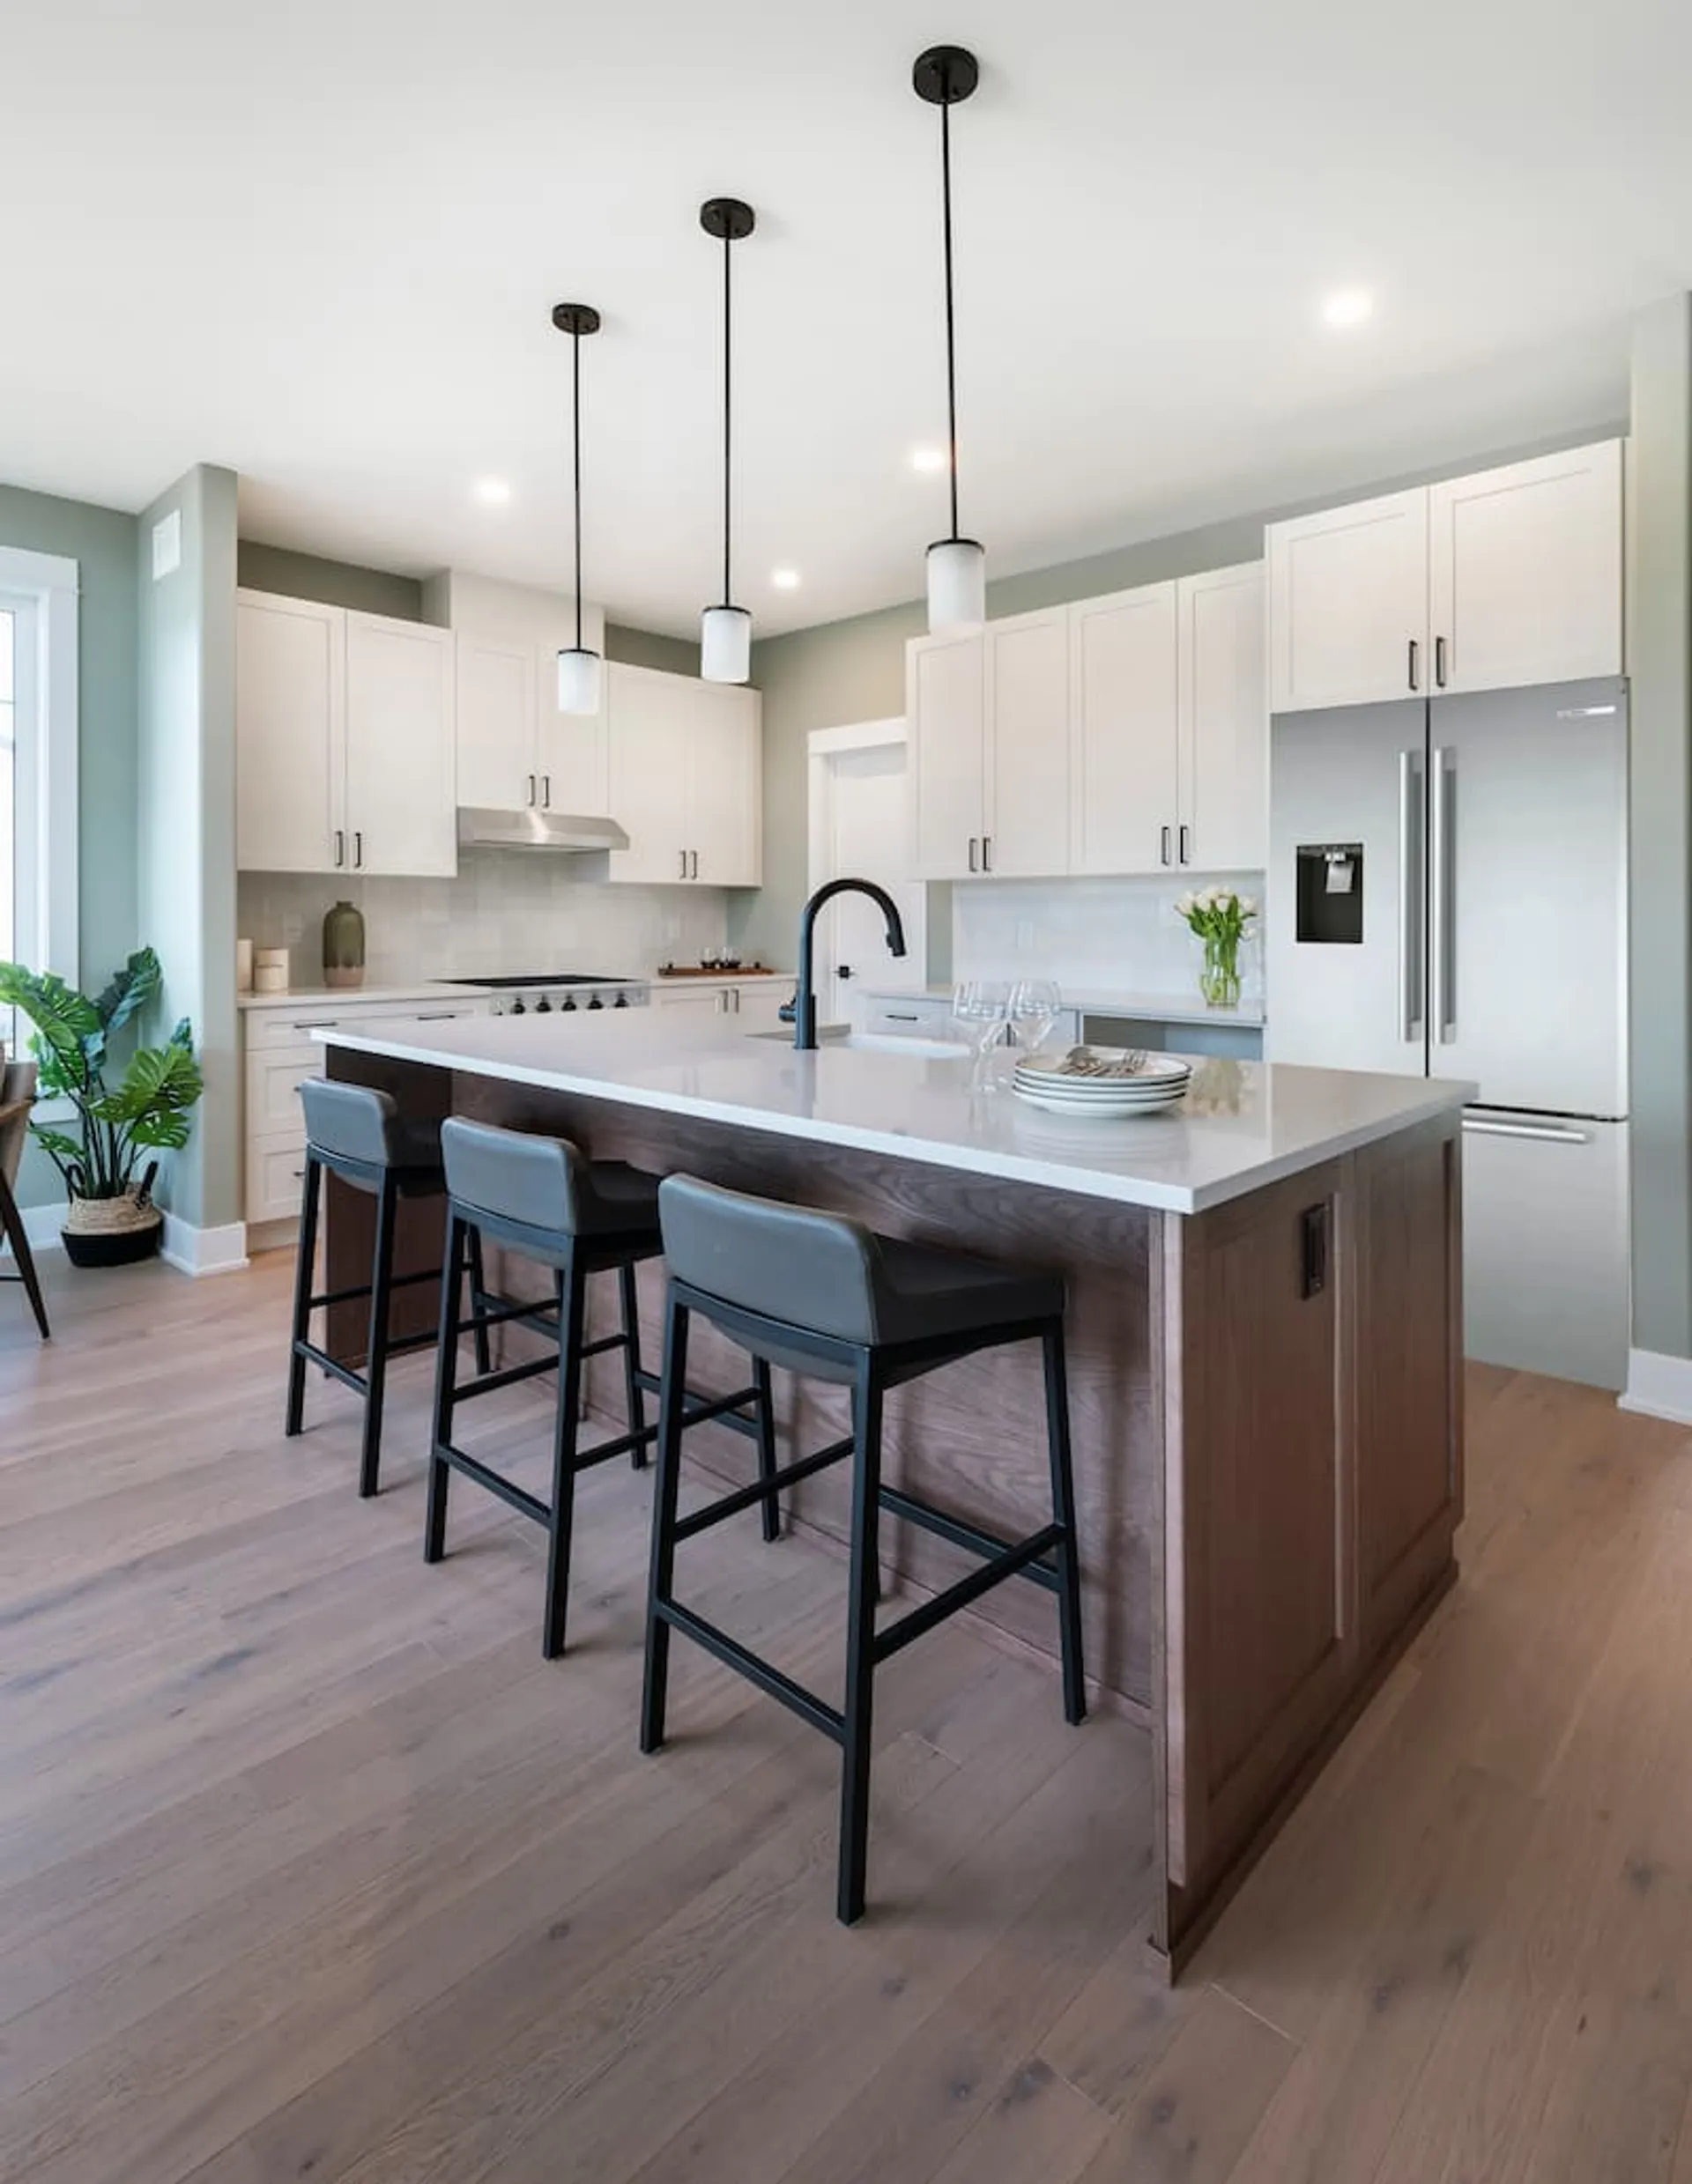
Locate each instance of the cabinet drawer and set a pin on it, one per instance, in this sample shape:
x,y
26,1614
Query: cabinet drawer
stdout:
x,y
295,1024
273,1082
921,1017
275,1178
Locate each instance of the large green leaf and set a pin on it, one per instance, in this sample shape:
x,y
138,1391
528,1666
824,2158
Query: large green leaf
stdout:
x,y
159,1081
131,989
164,1132
65,1019
57,1144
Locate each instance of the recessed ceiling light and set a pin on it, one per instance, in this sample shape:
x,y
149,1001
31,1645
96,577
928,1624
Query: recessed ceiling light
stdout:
x,y
1348,306
785,579
928,458
494,493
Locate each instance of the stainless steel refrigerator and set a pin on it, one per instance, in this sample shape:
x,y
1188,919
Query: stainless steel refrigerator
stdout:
x,y
1447,896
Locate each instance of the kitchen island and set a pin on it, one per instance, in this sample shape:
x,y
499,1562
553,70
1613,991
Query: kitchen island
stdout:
x,y
1265,1356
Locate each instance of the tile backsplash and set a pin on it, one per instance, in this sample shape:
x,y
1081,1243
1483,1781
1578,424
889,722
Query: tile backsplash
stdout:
x,y
1101,933
503,913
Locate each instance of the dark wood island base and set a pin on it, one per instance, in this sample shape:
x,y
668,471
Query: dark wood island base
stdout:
x,y
1266,1402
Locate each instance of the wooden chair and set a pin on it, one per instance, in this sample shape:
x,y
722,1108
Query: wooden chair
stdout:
x,y
17,1097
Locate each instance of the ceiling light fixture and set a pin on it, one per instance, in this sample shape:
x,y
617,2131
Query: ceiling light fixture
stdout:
x,y
578,667
725,630
785,579
931,461
1348,306
494,493
945,76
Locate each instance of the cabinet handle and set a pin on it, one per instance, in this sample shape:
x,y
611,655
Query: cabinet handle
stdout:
x,y
1313,1225
340,847
318,1023
1439,661
974,867
986,853
1186,845
895,1016
531,792
547,791
358,850
696,870
1163,848
1415,665
683,853
437,1016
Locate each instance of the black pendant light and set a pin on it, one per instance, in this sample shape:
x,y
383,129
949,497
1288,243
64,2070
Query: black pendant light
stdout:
x,y
945,76
578,667
725,631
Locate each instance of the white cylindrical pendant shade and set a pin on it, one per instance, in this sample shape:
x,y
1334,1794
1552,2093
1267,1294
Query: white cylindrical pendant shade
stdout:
x,y
578,681
725,645
957,585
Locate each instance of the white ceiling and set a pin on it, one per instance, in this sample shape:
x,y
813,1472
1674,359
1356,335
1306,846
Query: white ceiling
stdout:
x,y
319,242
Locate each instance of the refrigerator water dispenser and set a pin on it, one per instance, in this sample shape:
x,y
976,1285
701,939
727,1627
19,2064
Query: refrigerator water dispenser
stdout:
x,y
1329,893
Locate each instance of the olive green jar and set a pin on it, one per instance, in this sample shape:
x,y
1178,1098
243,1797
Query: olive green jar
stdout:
x,y
344,945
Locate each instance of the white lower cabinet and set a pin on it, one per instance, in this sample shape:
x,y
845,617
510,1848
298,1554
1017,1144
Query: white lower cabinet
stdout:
x,y
1545,1245
754,1006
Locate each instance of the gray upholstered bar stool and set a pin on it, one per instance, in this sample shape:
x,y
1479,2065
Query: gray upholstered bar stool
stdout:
x,y
828,1299
540,1198
358,1133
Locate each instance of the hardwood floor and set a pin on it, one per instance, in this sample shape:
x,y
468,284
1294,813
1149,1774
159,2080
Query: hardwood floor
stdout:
x,y
311,1868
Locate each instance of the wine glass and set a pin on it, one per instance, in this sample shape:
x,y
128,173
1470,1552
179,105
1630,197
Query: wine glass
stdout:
x,y
980,1005
1034,1006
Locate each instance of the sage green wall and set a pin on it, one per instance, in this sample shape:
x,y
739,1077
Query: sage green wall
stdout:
x,y
646,647
1660,797
102,541
186,683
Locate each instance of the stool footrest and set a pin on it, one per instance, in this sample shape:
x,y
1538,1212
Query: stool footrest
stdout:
x,y
718,1407
506,1376
970,1537
1023,1559
746,1497
757,1670
351,1296
516,1497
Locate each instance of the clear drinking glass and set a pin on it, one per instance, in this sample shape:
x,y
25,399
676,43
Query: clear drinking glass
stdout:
x,y
981,1006
1035,1005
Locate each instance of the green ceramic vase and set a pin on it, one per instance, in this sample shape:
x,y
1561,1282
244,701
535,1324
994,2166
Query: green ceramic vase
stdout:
x,y
344,945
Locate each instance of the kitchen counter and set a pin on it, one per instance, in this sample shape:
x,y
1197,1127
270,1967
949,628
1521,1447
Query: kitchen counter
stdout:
x,y
1103,1001
1264,1337
1245,1125
360,996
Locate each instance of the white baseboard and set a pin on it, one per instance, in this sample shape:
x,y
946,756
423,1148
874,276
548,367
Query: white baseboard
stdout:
x,y
1658,1386
204,1250
43,1227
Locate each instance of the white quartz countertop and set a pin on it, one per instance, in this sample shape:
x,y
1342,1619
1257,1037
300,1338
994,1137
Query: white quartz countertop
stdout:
x,y
1104,1000
439,991
1242,1124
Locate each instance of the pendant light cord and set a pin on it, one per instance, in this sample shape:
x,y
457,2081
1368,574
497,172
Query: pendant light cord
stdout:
x,y
951,330
576,437
728,417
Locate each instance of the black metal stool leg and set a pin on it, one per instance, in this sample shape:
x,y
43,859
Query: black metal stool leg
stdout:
x,y
566,1427
375,1365
661,1588
478,1302
304,1263
1063,1511
864,1585
766,1446
446,1382
633,1394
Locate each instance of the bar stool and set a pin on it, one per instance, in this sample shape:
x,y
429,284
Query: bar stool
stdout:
x,y
359,1134
831,1300
541,1198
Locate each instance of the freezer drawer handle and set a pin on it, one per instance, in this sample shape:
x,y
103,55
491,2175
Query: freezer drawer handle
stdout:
x,y
1541,1132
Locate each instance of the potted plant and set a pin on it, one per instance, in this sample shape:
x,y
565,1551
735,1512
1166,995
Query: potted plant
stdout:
x,y
111,1220
1222,919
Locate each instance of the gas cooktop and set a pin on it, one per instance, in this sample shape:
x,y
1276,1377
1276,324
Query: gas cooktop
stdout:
x,y
542,978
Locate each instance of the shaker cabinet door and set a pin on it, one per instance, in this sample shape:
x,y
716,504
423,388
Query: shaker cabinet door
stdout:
x,y
648,735
725,824
290,724
947,707
1348,604
1123,717
496,724
1224,742
1025,824
402,795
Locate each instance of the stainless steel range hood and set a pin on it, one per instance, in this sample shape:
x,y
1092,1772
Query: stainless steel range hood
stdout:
x,y
564,832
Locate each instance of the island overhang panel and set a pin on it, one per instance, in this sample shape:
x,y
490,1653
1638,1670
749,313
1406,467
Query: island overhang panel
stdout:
x,y
1266,1409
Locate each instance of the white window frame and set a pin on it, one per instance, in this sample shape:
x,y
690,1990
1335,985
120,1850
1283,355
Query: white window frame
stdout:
x,y
40,589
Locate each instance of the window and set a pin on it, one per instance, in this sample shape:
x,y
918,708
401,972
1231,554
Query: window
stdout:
x,y
38,765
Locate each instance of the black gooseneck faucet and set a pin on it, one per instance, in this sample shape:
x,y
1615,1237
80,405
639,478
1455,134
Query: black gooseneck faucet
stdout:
x,y
804,1011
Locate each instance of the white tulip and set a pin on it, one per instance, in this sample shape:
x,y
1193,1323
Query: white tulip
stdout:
x,y
1184,904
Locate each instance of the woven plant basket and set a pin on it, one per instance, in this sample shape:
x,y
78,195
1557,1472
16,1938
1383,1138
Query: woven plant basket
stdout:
x,y
112,1232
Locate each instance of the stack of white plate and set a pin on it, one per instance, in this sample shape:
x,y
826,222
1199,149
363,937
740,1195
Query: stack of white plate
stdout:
x,y
1104,1082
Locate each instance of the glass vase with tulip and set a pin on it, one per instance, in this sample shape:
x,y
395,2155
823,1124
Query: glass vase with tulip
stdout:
x,y
1221,918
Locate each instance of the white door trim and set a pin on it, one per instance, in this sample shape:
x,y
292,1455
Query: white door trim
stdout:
x,y
861,736
822,745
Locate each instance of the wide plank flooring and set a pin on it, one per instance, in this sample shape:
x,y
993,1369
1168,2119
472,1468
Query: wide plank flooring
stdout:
x,y
311,1868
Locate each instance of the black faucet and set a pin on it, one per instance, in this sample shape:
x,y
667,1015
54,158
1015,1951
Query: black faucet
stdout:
x,y
804,1007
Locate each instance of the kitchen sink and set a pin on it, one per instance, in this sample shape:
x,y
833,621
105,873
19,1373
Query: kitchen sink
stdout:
x,y
876,1043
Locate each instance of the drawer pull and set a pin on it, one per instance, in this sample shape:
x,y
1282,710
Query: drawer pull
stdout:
x,y
895,1016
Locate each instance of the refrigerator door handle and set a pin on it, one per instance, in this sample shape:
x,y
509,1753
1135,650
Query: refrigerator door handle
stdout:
x,y
1541,1132
1412,965
1444,977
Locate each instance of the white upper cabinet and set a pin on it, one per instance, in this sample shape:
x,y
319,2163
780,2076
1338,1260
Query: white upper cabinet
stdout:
x,y
346,746
1026,682
1525,565
1124,728
945,705
402,800
496,723
290,734
1223,747
572,750
1348,604
685,772
1508,578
